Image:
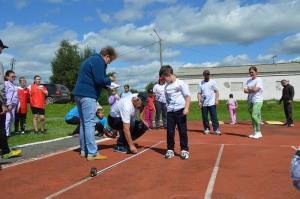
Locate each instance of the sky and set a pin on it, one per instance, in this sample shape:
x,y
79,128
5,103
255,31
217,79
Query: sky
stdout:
x,y
194,33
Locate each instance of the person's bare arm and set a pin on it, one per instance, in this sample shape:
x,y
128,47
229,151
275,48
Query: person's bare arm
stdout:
x,y
217,97
199,100
126,129
187,105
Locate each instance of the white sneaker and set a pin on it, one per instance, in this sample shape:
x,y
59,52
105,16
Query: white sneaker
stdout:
x,y
257,135
206,131
218,132
169,154
184,154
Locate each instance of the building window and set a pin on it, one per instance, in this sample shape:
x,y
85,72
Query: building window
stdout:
x,y
236,86
278,86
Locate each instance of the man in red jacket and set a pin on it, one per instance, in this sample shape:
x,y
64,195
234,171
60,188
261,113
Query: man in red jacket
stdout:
x,y
37,103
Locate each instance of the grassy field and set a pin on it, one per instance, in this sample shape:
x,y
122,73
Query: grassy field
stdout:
x,y
56,126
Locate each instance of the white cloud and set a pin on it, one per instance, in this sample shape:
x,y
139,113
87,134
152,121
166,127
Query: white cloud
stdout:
x,y
288,46
227,21
105,18
20,4
236,60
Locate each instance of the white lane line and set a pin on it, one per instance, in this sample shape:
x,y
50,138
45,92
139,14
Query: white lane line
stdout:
x,y
47,155
41,142
98,173
235,144
294,147
213,176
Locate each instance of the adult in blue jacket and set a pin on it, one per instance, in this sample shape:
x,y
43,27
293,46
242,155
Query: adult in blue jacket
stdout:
x,y
91,80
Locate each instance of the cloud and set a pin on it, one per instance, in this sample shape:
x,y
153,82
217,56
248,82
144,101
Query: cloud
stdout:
x,y
236,60
133,10
105,18
288,46
138,76
20,4
219,22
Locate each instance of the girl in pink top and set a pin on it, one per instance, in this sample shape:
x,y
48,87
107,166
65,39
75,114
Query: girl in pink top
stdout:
x,y
232,106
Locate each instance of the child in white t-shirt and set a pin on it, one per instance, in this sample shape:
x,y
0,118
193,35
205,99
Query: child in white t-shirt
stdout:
x,y
178,103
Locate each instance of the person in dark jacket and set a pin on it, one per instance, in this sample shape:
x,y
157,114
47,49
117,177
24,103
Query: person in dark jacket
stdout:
x,y
287,98
91,80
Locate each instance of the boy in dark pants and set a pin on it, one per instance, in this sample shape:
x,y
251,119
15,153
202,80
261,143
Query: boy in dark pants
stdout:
x,y
178,103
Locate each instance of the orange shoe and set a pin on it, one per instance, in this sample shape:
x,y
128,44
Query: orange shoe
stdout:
x,y
96,157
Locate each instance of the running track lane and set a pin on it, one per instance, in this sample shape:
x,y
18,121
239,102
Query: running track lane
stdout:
x,y
151,176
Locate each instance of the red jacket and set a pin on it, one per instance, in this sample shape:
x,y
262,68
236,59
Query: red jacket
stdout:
x,y
150,105
23,94
37,96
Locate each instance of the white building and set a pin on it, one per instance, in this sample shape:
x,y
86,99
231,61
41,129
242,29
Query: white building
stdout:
x,y
231,79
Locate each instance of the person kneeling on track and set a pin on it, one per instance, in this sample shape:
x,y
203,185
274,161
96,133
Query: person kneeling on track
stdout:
x,y
122,118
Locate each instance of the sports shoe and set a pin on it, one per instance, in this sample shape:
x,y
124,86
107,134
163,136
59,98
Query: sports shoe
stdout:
x,y
290,125
12,154
23,132
257,135
96,157
218,132
82,154
169,154
121,149
184,154
206,131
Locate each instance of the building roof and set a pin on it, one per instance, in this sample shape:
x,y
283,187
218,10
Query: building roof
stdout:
x,y
239,71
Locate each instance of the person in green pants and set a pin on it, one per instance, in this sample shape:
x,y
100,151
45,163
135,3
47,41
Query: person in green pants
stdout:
x,y
254,88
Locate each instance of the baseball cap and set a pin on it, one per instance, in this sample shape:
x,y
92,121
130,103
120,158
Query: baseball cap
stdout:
x,y
2,45
206,72
144,97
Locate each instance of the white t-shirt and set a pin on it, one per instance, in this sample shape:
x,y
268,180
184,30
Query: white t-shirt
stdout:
x,y
128,94
159,91
124,109
207,91
175,95
257,96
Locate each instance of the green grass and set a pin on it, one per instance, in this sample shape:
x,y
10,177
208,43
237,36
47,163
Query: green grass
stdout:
x,y
56,126
271,110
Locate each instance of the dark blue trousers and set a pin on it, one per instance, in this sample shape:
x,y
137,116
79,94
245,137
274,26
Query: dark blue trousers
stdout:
x,y
212,110
177,119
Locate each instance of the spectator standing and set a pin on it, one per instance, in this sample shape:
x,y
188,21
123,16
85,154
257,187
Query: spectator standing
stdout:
x,y
149,109
23,93
91,80
232,105
160,103
254,88
37,103
12,100
5,150
126,92
113,98
208,100
288,93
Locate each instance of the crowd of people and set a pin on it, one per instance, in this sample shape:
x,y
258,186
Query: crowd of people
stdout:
x,y
131,115
14,100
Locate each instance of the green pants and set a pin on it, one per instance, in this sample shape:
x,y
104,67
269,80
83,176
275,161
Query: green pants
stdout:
x,y
255,113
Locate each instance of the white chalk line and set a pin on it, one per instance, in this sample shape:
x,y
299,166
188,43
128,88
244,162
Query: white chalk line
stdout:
x,y
98,173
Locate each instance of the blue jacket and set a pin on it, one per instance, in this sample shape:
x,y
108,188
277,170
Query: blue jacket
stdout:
x,y
72,113
91,77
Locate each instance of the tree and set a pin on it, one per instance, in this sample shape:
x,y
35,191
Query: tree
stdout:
x,y
150,86
65,65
